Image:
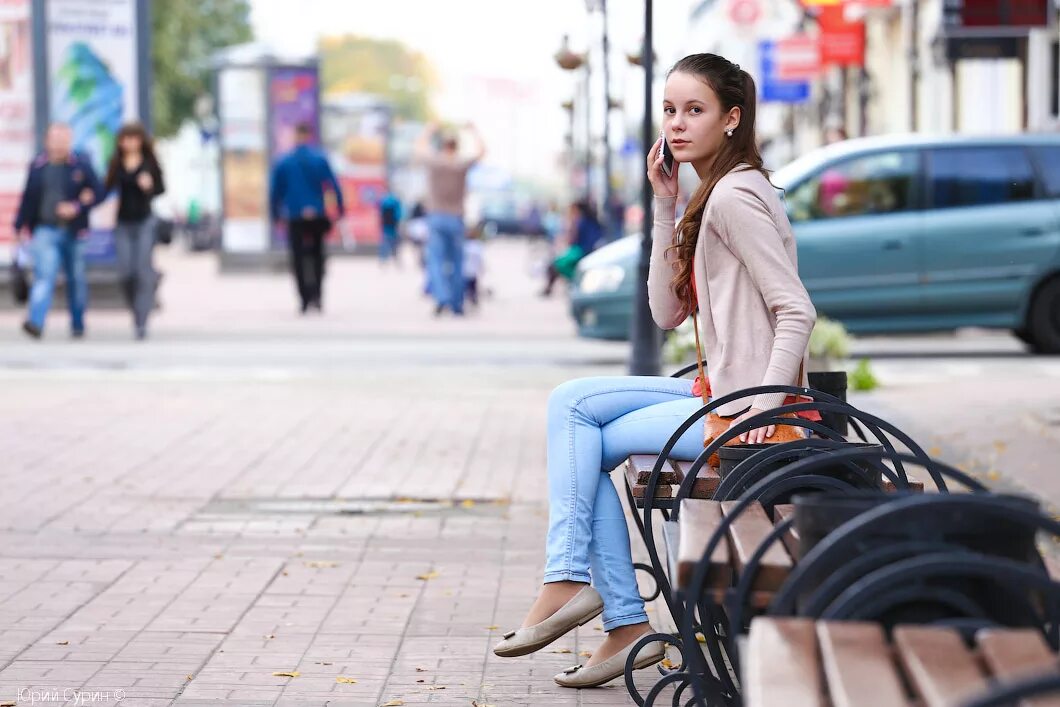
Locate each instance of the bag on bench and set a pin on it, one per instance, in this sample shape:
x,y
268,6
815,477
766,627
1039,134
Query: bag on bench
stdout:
x,y
716,425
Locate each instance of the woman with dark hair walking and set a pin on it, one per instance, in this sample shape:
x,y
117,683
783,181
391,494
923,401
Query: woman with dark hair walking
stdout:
x,y
135,173
732,258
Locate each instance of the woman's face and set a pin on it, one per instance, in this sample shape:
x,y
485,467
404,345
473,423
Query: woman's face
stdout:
x,y
130,143
693,118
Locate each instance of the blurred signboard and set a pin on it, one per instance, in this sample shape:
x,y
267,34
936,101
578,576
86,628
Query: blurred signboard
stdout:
x,y
995,13
294,99
797,58
94,84
357,130
773,88
244,159
842,42
16,113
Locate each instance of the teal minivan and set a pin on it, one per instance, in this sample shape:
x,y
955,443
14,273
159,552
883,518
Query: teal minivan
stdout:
x,y
900,234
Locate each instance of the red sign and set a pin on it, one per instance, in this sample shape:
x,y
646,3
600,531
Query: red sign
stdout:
x,y
798,58
842,42
744,12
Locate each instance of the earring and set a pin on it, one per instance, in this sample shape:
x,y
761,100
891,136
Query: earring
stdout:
x,y
729,132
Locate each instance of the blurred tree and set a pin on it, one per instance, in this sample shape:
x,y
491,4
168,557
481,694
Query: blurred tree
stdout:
x,y
380,66
185,34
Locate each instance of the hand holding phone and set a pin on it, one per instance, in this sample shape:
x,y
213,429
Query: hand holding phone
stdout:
x,y
668,159
662,169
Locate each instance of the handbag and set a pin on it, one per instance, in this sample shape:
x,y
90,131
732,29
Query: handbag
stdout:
x,y
19,276
163,231
716,425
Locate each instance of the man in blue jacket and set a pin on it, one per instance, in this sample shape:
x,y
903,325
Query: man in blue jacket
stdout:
x,y
296,194
60,190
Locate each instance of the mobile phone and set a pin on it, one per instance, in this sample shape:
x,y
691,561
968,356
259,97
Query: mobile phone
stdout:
x,y
668,159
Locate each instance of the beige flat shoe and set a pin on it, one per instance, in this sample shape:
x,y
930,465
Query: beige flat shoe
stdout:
x,y
613,667
583,608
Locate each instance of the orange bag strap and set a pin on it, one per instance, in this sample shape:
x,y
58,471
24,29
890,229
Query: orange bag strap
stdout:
x,y
699,358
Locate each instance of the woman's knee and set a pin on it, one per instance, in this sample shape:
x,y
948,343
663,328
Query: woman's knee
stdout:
x,y
568,394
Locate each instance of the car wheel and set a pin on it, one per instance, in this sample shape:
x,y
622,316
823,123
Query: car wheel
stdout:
x,y
1044,320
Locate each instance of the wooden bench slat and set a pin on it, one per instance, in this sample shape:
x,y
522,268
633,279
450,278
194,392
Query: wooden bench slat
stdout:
x,y
747,532
782,512
940,667
638,490
698,521
642,464
782,664
1012,654
706,483
859,666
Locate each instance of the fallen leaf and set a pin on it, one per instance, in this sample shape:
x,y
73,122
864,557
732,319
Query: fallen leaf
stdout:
x,y
561,650
270,636
432,688
190,677
321,564
597,628
475,703
291,674
429,575
492,628
63,643
993,475
392,703
7,704
218,556
1000,446
421,680
421,670
701,638
403,596
667,664
346,681
285,574
934,452
586,654
467,503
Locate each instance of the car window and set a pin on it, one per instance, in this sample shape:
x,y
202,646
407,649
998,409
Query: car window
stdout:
x,y
880,183
977,176
1049,163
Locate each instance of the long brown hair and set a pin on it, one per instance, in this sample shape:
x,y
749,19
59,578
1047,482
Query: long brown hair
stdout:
x,y
734,87
147,148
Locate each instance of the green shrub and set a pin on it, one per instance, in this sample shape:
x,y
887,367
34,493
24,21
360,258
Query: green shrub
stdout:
x,y
862,378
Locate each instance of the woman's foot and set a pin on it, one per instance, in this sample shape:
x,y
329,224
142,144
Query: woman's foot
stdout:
x,y
582,608
552,598
617,640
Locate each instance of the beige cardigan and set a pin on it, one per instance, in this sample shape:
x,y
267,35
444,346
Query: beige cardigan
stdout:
x,y
755,315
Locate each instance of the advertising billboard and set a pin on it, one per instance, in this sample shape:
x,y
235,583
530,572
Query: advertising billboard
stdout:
x,y
16,113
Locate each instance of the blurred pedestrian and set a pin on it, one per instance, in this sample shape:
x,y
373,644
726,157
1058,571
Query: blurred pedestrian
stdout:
x,y
296,195
446,187
390,216
585,234
61,189
474,265
135,173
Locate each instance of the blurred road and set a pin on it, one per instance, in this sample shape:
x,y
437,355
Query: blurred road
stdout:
x,y
358,495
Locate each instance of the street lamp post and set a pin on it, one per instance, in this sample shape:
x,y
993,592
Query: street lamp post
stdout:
x,y
570,61
646,336
608,186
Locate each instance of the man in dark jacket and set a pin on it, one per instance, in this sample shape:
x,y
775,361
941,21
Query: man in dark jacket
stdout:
x,y
296,194
60,190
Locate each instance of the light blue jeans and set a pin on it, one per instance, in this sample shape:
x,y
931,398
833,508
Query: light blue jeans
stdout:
x,y
593,425
445,260
54,247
